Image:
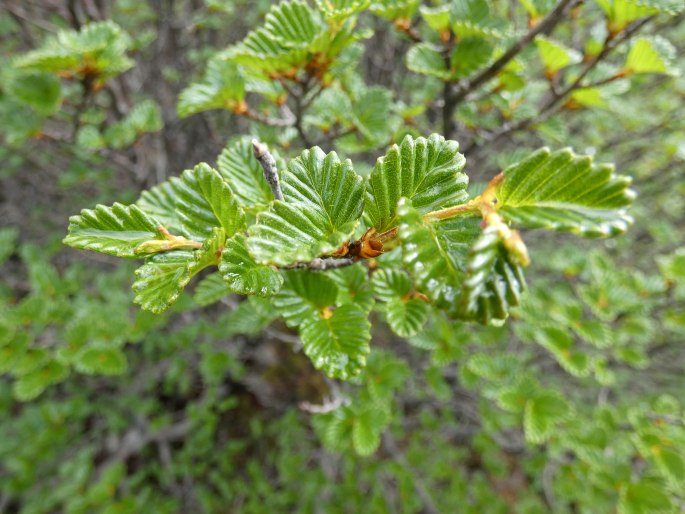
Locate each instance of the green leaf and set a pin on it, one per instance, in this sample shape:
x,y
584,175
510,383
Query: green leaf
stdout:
x,y
644,497
223,87
435,253
565,192
322,205
102,361
395,9
366,431
210,290
31,385
390,284
293,24
338,10
8,240
204,201
161,280
243,274
560,343
338,343
242,171
406,317
426,171
353,286
493,281
97,49
651,55
305,296
41,91
160,203
473,18
542,413
470,54
554,55
437,18
116,230
426,59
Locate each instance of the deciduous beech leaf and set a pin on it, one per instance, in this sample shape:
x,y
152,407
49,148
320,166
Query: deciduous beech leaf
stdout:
x,y
244,174
116,230
565,192
406,317
323,200
469,55
31,385
644,497
260,50
160,281
159,202
366,430
305,296
98,49
243,274
223,87
622,12
537,8
437,18
293,24
426,59
426,171
542,413
204,201
338,10
554,55
435,253
338,342
390,284
41,91
210,290
353,286
101,361
395,9
560,343
493,281
473,18
651,55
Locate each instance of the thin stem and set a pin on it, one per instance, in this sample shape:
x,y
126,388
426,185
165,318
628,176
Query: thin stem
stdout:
x,y
544,27
322,264
457,210
268,163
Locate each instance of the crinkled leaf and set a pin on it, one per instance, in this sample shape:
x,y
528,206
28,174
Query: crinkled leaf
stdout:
x,y
338,10
31,385
437,18
469,55
204,201
426,171
116,230
223,87
473,18
390,284
353,286
101,361
406,317
210,290
243,274
644,497
435,253
293,24
565,192
493,280
305,296
554,55
242,171
323,200
651,55
161,280
97,49
41,91
160,203
338,343
542,413
366,431
426,59
395,9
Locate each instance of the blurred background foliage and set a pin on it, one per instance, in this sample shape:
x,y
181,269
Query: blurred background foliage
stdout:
x,y
575,405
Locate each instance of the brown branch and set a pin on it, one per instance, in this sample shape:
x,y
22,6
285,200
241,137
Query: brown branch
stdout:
x,y
268,163
548,23
322,264
549,107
